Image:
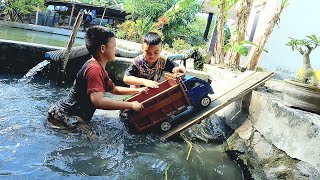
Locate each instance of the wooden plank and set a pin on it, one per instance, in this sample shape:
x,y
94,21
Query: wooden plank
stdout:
x,y
237,81
231,96
250,81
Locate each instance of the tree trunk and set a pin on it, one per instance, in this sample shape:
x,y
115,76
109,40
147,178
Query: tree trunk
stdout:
x,y
308,73
218,49
241,24
252,64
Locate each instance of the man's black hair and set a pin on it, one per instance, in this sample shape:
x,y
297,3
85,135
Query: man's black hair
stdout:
x,y
152,38
97,36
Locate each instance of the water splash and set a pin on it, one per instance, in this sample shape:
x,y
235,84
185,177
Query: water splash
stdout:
x,y
30,74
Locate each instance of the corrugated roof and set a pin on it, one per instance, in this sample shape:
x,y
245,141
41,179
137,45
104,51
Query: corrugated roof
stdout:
x,y
110,12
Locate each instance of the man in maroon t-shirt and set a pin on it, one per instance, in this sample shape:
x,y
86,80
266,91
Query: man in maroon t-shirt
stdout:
x,y
90,85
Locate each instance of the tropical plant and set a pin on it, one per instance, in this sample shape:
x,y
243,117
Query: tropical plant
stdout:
x,y
143,26
139,9
236,47
14,9
305,47
134,30
128,30
180,45
182,14
200,58
241,22
193,32
177,14
227,4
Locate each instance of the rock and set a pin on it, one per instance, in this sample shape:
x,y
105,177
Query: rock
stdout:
x,y
294,131
306,171
277,142
211,129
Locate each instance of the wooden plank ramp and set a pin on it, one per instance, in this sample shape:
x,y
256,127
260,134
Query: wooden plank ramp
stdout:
x,y
242,85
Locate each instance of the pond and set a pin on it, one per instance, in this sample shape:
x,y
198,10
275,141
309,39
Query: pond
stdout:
x,y
17,34
28,149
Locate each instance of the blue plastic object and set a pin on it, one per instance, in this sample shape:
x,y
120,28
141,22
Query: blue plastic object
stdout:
x,y
197,89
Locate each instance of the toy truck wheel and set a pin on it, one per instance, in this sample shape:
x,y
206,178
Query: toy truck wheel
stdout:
x,y
165,126
205,101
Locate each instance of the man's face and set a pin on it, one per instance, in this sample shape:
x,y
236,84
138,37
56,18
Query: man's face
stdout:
x,y
109,49
151,53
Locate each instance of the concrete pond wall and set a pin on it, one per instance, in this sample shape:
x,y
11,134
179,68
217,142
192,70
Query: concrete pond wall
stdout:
x,y
19,57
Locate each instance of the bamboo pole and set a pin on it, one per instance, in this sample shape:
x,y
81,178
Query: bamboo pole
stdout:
x,y
67,52
37,16
105,8
71,15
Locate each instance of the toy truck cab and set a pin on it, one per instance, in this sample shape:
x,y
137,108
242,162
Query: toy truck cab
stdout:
x,y
173,97
198,91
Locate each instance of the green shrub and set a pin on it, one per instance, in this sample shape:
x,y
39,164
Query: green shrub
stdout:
x,y
180,45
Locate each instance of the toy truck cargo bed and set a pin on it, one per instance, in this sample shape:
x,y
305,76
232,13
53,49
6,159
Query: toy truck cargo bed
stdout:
x,y
171,98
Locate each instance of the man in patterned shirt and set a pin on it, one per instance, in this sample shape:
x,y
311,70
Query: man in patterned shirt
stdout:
x,y
147,69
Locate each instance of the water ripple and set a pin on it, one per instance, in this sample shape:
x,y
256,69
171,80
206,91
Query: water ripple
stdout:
x,y
28,149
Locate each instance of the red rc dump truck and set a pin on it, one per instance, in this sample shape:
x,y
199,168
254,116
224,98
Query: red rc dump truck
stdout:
x,y
173,96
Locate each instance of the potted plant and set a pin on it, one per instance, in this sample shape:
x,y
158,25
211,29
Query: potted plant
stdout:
x,y
304,92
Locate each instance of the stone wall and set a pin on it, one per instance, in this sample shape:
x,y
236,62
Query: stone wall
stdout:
x,y
278,142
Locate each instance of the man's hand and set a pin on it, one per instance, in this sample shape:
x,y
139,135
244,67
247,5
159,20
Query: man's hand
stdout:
x,y
177,70
136,106
151,84
144,90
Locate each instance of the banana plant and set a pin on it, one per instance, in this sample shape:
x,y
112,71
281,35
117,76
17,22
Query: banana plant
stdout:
x,y
181,4
235,46
239,47
228,3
